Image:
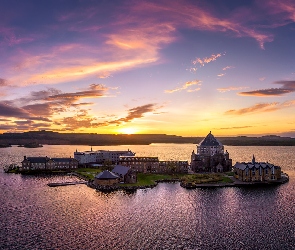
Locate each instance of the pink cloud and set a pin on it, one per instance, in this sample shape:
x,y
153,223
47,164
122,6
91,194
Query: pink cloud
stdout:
x,y
228,67
261,108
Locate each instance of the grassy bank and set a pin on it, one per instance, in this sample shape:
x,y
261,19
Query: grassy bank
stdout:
x,y
206,178
149,179
89,173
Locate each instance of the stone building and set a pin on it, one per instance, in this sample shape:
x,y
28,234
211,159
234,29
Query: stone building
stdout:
x,y
46,163
145,164
256,171
125,174
210,156
106,178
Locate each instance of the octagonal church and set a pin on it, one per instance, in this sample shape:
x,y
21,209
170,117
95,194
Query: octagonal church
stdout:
x,y
210,156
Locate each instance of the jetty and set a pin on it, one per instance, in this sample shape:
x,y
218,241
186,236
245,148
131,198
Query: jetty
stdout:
x,y
67,183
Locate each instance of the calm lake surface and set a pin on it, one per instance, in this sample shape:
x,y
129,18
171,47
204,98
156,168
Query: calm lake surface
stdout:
x,y
35,216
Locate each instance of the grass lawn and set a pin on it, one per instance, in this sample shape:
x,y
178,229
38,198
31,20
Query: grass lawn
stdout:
x,y
149,179
89,173
231,173
206,178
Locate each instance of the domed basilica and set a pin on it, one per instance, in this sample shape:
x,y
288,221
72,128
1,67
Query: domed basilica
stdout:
x,y
210,156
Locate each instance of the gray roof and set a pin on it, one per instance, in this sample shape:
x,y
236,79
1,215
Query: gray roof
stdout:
x,y
210,140
63,159
106,175
250,165
120,170
37,159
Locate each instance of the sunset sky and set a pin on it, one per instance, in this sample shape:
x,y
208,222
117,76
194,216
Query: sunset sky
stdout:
x,y
173,67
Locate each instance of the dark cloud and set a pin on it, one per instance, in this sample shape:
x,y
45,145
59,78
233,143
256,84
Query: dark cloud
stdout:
x,y
3,82
77,122
288,87
134,113
44,119
261,107
7,127
10,111
95,90
36,96
242,127
138,112
27,122
40,109
82,104
46,103
83,119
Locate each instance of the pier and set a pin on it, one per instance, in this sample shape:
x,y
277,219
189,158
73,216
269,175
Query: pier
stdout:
x,y
67,183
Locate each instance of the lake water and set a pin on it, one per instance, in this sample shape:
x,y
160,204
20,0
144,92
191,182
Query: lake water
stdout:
x,y
35,216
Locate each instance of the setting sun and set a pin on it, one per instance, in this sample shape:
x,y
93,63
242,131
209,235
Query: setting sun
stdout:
x,y
128,130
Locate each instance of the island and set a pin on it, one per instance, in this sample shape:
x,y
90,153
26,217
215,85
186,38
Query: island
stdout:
x,y
109,170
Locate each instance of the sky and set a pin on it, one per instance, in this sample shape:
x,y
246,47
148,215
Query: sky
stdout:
x,y
170,67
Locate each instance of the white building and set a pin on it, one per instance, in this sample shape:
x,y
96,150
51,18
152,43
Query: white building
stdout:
x,y
101,156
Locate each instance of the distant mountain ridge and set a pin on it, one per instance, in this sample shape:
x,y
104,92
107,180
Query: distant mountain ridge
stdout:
x,y
55,138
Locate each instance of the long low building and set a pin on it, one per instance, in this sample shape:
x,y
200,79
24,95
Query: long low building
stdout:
x,y
145,164
46,163
257,171
101,156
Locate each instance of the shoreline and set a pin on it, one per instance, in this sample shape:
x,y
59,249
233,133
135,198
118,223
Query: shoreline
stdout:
x,y
236,183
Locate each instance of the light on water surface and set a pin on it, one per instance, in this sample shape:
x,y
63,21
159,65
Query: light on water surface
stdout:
x,y
35,216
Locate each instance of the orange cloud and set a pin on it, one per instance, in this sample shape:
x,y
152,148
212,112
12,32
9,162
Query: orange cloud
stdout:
x,y
222,90
185,86
257,108
261,108
133,39
206,59
241,127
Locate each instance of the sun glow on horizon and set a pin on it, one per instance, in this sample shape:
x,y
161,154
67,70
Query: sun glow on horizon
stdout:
x,y
128,130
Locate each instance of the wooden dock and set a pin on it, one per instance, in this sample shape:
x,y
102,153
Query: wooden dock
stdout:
x,y
67,183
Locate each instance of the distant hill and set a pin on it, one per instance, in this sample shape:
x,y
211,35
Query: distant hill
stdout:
x,y
55,138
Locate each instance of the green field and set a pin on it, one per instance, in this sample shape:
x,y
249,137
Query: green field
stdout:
x,y
206,178
89,173
149,179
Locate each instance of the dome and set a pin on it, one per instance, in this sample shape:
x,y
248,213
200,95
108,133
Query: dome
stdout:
x,y
210,140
